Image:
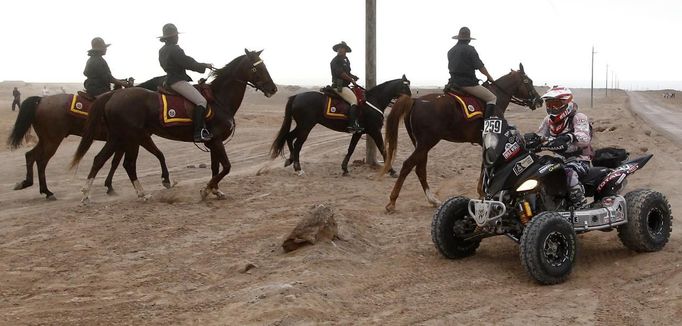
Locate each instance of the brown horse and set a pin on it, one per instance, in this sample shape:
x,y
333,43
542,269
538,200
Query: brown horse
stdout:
x,y
132,114
52,122
433,117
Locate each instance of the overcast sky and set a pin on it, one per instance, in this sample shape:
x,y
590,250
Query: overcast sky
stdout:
x,y
640,40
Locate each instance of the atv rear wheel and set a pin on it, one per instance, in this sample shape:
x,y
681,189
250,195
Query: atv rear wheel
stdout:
x,y
548,248
451,223
649,221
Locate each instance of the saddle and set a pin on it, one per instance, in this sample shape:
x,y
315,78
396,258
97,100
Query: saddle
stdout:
x,y
80,104
472,107
176,110
335,107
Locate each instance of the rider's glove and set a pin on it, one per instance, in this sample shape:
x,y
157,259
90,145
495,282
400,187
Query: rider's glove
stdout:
x,y
559,144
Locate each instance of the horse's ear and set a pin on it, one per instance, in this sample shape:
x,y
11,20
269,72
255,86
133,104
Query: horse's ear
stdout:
x,y
247,51
259,52
404,78
521,67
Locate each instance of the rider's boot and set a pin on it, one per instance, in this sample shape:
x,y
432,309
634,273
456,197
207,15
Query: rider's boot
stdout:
x,y
201,134
353,125
577,196
489,111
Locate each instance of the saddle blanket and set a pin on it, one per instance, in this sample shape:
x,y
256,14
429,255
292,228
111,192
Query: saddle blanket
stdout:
x,y
80,105
472,107
177,111
336,108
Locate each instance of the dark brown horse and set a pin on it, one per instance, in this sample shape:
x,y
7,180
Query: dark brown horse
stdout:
x,y
307,109
52,122
132,114
433,117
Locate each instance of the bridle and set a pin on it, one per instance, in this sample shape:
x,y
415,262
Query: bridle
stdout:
x,y
254,68
529,102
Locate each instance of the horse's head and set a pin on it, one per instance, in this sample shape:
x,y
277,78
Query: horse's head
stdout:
x,y
525,92
256,73
393,88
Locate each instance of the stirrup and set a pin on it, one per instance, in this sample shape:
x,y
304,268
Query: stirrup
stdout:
x,y
204,135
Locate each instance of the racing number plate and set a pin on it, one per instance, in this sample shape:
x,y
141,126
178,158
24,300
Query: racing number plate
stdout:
x,y
492,125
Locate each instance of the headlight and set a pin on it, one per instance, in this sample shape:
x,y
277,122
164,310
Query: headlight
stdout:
x,y
489,140
529,184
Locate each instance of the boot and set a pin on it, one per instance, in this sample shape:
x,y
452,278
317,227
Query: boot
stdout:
x,y
201,134
353,125
577,196
489,110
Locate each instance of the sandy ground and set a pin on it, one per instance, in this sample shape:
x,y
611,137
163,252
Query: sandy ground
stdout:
x,y
177,260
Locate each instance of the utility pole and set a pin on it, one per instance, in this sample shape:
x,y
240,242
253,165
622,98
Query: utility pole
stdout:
x,y
592,81
370,66
606,86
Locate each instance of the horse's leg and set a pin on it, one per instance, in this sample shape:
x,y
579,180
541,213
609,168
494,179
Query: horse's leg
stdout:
x,y
351,149
218,154
417,157
130,164
421,174
30,159
48,151
215,164
104,154
290,143
301,137
379,141
110,177
149,145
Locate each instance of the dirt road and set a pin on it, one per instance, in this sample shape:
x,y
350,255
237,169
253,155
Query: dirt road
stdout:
x,y
177,260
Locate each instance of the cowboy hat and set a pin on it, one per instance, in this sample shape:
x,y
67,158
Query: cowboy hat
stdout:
x,y
97,44
169,30
464,34
342,44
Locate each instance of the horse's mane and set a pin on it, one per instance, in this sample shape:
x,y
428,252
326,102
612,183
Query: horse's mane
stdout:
x,y
380,86
225,73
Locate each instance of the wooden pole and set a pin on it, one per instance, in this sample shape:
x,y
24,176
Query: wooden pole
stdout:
x,y
606,87
370,66
592,81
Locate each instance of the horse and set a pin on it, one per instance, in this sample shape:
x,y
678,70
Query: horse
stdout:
x,y
52,122
307,109
132,114
434,117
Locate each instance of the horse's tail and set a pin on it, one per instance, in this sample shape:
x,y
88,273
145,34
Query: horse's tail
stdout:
x,y
400,108
278,145
27,113
95,119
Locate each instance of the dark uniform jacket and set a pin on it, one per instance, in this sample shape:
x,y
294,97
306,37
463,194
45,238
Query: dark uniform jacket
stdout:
x,y
340,65
463,61
98,75
16,94
175,62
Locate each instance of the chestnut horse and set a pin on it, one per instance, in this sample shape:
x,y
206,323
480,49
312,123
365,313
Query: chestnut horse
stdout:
x,y
433,117
307,110
52,122
132,114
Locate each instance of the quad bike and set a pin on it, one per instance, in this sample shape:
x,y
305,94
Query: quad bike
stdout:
x,y
526,198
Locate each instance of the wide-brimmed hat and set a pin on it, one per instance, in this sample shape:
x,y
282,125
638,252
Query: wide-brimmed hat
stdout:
x,y
464,34
169,30
97,44
342,44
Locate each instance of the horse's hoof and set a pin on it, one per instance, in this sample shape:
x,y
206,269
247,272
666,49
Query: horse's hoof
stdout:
x,y
300,173
22,185
393,174
219,194
390,208
144,197
51,197
85,201
345,173
288,162
111,192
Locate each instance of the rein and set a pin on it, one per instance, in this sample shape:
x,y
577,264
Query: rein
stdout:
x,y
513,98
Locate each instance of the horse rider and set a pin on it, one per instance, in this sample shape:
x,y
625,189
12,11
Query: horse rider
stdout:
x,y
99,78
175,62
17,98
463,61
341,78
570,135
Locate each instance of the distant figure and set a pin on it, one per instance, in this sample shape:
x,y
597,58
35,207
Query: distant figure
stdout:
x,y
46,91
63,90
99,78
175,62
17,98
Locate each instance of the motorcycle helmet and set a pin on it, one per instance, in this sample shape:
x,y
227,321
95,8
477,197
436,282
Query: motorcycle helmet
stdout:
x,y
560,106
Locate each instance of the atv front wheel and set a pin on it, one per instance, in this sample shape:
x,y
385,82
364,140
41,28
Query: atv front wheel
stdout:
x,y
451,224
548,248
649,221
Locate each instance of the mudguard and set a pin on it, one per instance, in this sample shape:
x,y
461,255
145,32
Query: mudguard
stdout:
x,y
614,181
